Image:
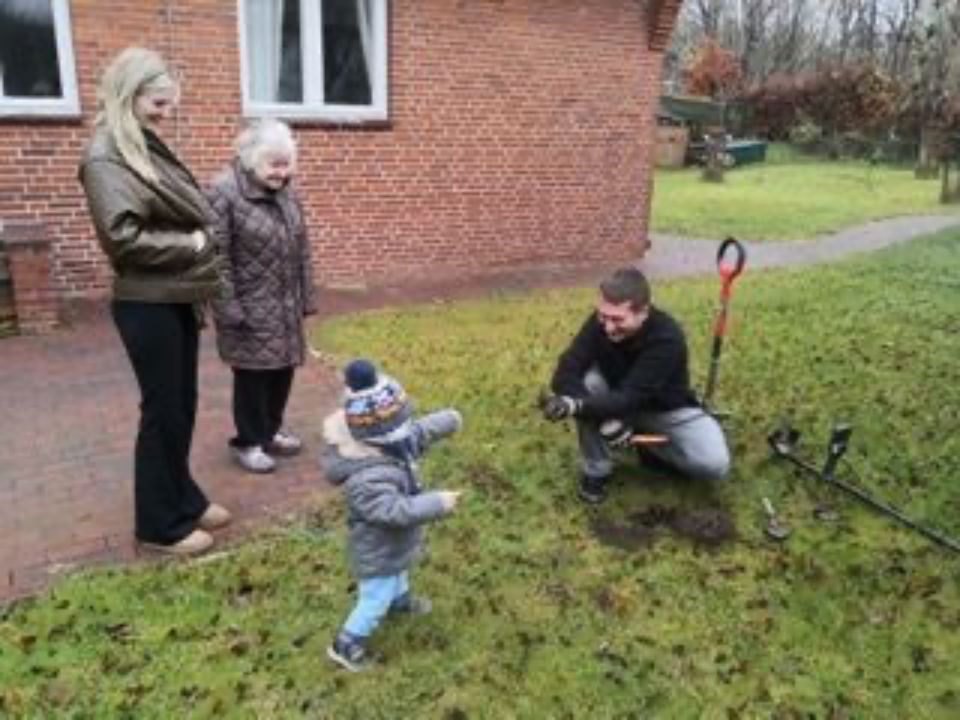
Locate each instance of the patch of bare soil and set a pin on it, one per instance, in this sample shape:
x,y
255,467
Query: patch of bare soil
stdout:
x,y
628,537
710,527
706,527
491,481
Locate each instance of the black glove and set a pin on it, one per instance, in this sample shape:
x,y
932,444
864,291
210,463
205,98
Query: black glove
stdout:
x,y
616,433
558,407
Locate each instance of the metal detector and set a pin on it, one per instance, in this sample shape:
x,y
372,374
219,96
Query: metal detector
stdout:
x,y
783,442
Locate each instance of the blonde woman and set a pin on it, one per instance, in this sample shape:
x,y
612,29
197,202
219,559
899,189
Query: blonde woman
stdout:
x,y
149,217
268,289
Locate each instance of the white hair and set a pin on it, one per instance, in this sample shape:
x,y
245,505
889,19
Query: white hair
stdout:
x,y
262,137
131,73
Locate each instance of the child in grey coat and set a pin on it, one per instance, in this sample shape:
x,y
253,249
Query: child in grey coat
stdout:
x,y
372,447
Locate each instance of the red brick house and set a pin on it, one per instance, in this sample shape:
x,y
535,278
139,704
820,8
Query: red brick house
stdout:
x,y
449,136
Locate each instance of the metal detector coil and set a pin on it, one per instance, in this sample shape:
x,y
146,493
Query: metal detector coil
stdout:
x,y
783,443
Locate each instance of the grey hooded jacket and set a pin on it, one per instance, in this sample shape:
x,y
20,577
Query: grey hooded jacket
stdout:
x,y
385,506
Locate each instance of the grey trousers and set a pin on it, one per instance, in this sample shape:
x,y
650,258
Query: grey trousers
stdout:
x,y
697,447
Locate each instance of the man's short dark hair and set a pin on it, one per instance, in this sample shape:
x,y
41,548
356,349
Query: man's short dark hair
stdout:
x,y
626,285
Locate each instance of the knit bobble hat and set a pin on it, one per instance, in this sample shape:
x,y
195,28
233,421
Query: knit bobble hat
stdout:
x,y
376,407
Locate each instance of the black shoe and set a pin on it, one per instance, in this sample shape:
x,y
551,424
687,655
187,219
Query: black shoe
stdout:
x,y
408,604
593,490
348,652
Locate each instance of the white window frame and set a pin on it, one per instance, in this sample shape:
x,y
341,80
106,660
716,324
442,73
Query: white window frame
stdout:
x,y
313,107
69,104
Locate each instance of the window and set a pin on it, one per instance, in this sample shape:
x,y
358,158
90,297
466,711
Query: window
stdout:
x,y
324,59
37,75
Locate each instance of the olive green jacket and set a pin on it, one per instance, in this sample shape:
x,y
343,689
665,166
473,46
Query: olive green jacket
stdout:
x,y
145,228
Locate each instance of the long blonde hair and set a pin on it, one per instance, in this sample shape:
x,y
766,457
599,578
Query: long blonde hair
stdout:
x,y
131,73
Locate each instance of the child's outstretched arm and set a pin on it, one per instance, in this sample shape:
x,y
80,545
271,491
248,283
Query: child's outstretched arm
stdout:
x,y
377,500
435,426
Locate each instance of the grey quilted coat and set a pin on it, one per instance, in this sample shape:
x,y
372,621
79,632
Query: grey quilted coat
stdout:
x,y
385,506
266,272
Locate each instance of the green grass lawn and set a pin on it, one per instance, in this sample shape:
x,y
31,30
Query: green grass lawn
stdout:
x,y
789,200
535,615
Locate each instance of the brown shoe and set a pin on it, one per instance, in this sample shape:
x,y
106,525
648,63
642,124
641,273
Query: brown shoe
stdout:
x,y
215,517
195,543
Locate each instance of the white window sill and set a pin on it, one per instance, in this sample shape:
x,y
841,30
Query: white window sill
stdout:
x,y
339,115
33,110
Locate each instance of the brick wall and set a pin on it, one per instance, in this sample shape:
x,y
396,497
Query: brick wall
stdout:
x,y
520,132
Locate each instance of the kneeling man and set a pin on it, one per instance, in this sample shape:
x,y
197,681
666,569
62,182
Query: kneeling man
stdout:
x,y
626,372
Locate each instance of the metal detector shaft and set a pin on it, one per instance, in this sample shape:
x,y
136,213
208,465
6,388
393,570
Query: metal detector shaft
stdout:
x,y
897,515
875,504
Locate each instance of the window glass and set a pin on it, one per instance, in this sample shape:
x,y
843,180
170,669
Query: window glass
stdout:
x,y
273,47
29,66
315,58
347,45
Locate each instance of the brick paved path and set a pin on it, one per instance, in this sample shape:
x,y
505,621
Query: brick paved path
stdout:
x,y
68,421
68,413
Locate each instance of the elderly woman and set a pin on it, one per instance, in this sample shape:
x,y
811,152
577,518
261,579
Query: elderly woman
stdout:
x,y
268,282
149,216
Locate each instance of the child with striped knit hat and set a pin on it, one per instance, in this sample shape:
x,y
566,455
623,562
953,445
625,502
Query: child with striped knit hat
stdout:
x,y
372,447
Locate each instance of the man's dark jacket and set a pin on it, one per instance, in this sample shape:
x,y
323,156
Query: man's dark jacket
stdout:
x,y
646,372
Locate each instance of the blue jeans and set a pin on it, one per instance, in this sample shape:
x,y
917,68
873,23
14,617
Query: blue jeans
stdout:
x,y
376,596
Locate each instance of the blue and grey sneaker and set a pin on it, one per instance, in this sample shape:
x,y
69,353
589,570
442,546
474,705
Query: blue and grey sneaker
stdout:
x,y
592,490
408,604
348,652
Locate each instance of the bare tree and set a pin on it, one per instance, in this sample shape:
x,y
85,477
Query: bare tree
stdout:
x,y
753,32
708,14
898,21
791,36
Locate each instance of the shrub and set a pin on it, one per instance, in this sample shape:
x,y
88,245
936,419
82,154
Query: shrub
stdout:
x,y
713,71
839,100
806,134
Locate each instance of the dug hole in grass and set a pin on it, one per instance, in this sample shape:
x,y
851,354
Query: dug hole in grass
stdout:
x,y
534,614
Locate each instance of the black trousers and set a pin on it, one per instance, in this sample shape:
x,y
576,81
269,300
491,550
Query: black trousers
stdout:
x,y
259,401
162,341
